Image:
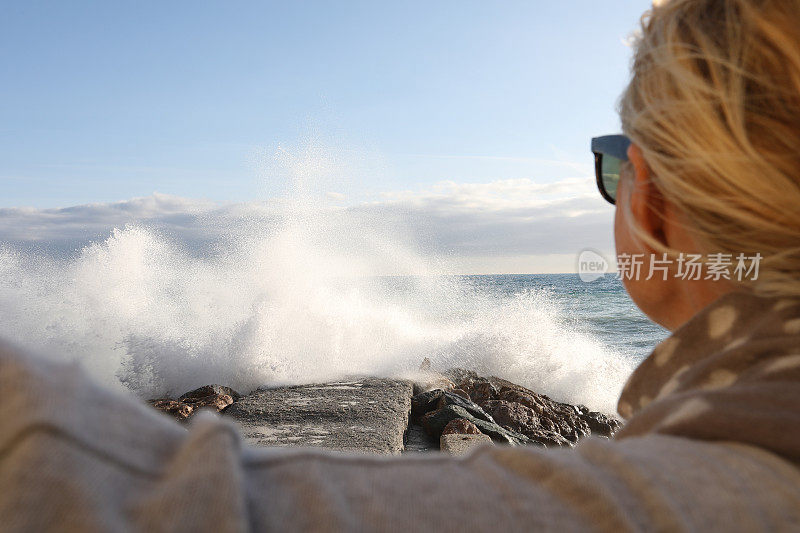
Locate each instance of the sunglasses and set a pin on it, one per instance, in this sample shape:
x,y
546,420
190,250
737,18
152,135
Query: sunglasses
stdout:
x,y
609,153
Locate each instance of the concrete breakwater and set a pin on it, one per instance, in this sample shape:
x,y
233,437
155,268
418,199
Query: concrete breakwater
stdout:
x,y
454,411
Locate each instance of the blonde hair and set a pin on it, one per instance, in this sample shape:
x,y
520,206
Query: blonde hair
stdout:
x,y
714,105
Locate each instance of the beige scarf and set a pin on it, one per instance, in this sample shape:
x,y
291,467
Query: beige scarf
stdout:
x,y
732,373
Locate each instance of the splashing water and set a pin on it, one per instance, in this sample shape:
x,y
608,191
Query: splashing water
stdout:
x,y
291,299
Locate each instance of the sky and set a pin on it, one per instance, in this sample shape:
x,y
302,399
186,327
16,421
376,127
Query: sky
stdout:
x,y
481,110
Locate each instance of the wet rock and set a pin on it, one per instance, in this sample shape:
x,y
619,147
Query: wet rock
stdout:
x,y
462,393
424,402
553,416
435,422
534,415
600,424
522,419
461,426
214,397
460,444
532,400
179,410
217,403
449,398
482,391
513,415
209,390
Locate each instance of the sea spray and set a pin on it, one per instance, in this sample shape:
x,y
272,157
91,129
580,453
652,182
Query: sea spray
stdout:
x,y
294,294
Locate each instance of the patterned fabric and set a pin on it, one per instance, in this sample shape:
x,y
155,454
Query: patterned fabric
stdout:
x,y
706,409
732,373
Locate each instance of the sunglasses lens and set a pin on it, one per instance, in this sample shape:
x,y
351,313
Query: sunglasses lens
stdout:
x,y
610,175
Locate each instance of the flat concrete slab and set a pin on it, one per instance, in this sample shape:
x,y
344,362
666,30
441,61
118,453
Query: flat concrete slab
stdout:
x,y
365,415
459,444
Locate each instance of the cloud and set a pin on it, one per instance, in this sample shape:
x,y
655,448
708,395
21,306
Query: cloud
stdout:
x,y
469,223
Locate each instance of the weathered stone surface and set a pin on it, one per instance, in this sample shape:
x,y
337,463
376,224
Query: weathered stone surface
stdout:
x,y
553,416
482,391
461,426
523,420
600,424
215,397
367,414
217,403
205,391
424,402
512,415
435,421
460,444
523,415
589,421
449,398
179,410
462,393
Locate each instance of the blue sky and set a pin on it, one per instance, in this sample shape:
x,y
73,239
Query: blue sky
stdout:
x,y
105,101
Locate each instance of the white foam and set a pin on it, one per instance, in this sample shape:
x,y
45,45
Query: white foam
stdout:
x,y
295,300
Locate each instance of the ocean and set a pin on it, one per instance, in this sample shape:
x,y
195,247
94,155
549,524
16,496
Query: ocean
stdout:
x,y
145,312
600,308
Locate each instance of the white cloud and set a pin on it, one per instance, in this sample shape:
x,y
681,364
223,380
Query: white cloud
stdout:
x,y
477,227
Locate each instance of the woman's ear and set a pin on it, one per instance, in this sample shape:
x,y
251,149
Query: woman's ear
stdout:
x,y
646,202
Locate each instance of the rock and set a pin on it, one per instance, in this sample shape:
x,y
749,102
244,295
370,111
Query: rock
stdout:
x,y
425,366
424,402
179,410
461,426
531,400
435,422
363,414
460,444
513,415
571,422
449,398
482,391
214,397
217,403
462,393
600,424
209,390
553,416
522,419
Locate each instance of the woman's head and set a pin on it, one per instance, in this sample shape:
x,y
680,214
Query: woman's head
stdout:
x,y
713,109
